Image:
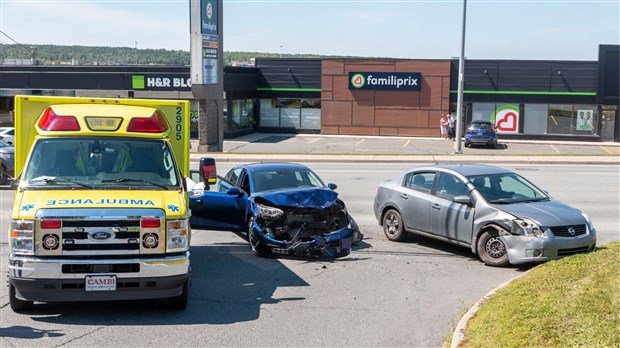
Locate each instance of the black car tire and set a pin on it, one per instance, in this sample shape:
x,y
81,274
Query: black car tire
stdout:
x,y
18,305
393,226
251,235
467,144
492,250
180,302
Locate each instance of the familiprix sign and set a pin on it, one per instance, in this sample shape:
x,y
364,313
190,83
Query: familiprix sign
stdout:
x,y
393,81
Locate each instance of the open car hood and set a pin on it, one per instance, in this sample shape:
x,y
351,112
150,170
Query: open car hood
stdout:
x,y
300,197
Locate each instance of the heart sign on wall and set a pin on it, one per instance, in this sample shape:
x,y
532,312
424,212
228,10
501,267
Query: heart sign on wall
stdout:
x,y
506,119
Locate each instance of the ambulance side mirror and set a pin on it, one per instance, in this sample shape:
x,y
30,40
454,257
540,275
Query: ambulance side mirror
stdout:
x,y
207,170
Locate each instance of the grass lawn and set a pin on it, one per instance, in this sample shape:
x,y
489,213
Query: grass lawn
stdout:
x,y
574,301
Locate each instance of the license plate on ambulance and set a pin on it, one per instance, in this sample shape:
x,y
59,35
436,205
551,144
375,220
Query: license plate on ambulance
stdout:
x,y
101,283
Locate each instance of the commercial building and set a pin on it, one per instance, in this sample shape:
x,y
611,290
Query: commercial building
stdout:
x,y
529,99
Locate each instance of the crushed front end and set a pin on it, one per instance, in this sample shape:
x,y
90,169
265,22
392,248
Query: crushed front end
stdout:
x,y
324,230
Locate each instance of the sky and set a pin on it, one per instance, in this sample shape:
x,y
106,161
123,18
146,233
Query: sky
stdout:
x,y
413,29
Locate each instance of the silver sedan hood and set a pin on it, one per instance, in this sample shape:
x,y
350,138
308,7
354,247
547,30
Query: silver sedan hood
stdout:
x,y
547,213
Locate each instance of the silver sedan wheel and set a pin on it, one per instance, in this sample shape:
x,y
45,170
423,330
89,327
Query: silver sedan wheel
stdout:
x,y
393,224
495,248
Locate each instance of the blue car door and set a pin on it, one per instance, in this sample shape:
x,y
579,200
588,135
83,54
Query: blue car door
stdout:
x,y
218,209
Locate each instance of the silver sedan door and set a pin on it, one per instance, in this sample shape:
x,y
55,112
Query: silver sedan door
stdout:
x,y
415,200
450,219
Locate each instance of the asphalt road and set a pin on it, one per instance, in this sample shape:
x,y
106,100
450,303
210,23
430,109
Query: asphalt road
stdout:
x,y
407,294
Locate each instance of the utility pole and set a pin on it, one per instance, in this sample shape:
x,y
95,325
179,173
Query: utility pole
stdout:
x,y
459,99
280,51
136,52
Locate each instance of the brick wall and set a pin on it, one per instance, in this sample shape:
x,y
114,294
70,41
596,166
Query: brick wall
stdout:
x,y
368,112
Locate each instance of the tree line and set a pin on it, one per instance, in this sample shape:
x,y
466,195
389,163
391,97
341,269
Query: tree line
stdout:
x,y
96,55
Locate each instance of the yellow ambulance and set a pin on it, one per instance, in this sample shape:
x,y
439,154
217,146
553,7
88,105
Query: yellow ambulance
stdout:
x,y
101,204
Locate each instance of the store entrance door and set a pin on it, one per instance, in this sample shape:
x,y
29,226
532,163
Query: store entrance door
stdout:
x,y
608,124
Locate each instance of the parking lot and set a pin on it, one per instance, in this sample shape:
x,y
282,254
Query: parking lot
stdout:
x,y
310,144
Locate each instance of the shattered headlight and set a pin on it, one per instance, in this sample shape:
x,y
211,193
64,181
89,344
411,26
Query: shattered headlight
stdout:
x,y
526,227
269,213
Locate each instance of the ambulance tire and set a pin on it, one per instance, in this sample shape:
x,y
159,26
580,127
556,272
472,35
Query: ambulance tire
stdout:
x,y
180,302
18,305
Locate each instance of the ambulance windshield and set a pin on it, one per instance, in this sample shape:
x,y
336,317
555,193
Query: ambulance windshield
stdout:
x,y
102,161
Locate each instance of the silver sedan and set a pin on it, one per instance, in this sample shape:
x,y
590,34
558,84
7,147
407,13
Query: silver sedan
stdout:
x,y
500,215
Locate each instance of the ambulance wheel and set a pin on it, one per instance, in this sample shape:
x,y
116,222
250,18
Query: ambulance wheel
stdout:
x,y
18,305
180,302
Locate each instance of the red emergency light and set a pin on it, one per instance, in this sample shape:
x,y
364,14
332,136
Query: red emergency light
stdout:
x,y
49,121
50,223
150,223
154,124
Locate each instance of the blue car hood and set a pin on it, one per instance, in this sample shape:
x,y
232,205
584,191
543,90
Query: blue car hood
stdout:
x,y
548,213
300,198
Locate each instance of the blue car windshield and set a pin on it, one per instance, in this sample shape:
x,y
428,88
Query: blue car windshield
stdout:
x,y
284,179
507,188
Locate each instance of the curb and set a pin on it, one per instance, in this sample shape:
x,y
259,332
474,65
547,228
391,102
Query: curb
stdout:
x,y
458,337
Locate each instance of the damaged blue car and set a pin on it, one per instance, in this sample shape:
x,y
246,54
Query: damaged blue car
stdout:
x,y
285,208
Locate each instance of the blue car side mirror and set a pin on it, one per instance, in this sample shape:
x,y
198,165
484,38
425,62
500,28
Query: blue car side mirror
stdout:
x,y
332,186
233,191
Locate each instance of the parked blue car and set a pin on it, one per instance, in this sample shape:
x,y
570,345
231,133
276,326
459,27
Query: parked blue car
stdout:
x,y
481,132
285,208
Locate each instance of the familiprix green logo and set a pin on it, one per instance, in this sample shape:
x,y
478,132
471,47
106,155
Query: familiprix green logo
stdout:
x,y
358,80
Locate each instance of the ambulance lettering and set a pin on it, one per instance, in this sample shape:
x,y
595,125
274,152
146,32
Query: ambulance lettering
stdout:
x,y
102,201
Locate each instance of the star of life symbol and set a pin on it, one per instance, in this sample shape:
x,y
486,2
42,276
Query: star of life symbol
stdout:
x,y
173,208
27,207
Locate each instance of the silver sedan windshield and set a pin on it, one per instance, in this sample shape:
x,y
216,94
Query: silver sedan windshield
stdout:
x,y
506,188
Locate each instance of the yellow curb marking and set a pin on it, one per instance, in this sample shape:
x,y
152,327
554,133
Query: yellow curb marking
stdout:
x,y
407,143
555,148
313,140
361,141
605,149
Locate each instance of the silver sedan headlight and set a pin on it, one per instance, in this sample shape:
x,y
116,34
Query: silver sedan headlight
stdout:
x,y
526,227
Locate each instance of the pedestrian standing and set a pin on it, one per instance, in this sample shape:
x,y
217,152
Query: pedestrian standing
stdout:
x,y
451,127
443,126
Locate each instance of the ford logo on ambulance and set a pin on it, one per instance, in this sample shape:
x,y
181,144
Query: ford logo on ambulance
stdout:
x,y
100,235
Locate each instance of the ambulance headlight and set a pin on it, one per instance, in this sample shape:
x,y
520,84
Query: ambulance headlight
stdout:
x,y
178,236
21,237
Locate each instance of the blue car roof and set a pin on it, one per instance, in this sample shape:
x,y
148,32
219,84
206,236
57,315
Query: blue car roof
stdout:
x,y
259,167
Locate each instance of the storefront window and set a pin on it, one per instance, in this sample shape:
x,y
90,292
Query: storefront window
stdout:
x,y
572,119
505,116
311,113
535,118
269,113
242,115
290,114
